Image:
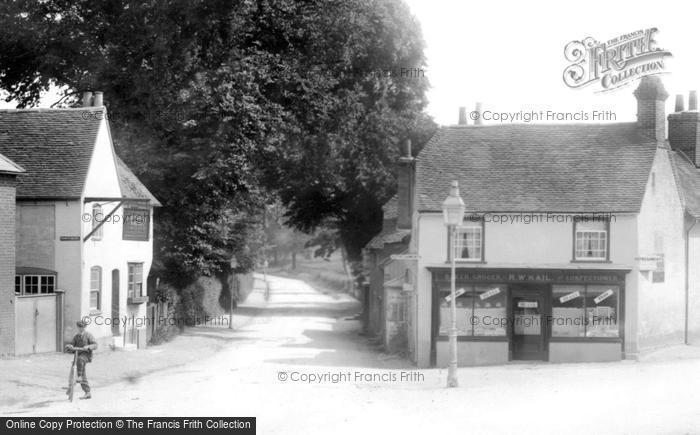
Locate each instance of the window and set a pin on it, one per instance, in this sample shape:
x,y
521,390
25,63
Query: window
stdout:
x,y
568,311
489,310
95,287
97,218
591,240
46,284
136,224
468,242
35,284
602,311
481,310
585,311
31,285
135,280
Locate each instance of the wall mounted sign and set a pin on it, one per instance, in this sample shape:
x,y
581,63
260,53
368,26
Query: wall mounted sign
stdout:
x,y
69,238
647,263
405,257
488,294
530,275
570,296
527,304
603,296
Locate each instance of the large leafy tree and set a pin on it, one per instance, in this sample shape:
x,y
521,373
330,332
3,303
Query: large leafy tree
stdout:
x,y
219,104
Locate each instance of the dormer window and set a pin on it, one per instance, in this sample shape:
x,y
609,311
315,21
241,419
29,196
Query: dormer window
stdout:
x,y
591,240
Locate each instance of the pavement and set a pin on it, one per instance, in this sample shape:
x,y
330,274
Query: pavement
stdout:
x,y
299,366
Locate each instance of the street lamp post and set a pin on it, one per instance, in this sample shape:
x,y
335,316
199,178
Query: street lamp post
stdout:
x,y
453,212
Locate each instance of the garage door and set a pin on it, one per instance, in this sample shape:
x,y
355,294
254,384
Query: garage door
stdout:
x,y
35,321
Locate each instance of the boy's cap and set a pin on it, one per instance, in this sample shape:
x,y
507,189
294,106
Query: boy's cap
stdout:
x,y
81,324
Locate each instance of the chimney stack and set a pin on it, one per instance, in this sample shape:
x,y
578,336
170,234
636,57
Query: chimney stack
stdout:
x,y
97,101
693,100
405,180
679,103
684,129
651,114
87,99
477,121
462,116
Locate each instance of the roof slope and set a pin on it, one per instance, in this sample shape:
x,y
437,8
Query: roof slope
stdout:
x,y
688,177
537,168
131,186
54,146
7,166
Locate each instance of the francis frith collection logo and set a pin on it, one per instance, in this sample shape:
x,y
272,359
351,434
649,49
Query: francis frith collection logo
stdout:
x,y
613,63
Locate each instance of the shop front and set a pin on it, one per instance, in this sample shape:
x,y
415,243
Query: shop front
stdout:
x,y
556,315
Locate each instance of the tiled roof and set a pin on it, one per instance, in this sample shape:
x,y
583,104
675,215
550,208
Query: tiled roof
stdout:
x,y
131,186
389,234
54,146
391,208
537,167
688,178
7,166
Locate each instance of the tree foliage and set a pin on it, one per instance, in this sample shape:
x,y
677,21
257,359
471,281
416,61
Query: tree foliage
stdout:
x,y
220,105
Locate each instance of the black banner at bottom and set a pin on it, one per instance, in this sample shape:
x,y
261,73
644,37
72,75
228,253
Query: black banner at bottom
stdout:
x,y
237,425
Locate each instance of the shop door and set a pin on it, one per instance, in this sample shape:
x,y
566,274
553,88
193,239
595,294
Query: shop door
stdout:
x,y
528,329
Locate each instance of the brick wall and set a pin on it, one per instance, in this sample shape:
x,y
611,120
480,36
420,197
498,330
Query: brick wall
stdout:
x,y
7,264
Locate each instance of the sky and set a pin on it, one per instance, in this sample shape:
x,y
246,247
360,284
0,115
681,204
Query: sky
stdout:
x,y
510,55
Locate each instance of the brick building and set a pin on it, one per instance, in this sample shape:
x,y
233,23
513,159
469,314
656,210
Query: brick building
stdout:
x,y
580,242
8,175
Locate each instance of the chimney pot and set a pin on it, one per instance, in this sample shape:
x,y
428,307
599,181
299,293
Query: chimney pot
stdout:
x,y
477,121
97,101
462,116
679,103
87,99
407,148
693,100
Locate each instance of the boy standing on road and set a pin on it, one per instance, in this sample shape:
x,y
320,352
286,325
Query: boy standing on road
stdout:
x,y
84,343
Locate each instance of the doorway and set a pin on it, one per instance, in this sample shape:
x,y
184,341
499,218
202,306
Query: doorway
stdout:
x,y
528,327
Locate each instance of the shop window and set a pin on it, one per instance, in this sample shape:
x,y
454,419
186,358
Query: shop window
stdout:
x,y
481,310
135,285
468,242
602,311
490,317
568,311
95,287
465,310
136,224
97,218
591,240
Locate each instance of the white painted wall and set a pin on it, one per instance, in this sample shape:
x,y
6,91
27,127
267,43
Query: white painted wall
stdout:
x,y
661,308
